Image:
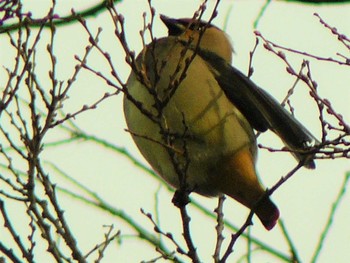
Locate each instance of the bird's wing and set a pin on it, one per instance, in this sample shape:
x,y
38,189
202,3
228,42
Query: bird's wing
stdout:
x,y
260,108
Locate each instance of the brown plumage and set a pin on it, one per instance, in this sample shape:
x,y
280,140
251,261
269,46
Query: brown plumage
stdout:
x,y
197,119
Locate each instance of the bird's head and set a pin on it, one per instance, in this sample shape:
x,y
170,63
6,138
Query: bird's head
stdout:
x,y
210,37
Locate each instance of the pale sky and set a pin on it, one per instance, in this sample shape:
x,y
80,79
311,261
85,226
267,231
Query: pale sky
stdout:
x,y
304,201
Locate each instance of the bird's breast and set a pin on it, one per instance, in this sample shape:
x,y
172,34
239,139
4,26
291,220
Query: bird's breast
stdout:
x,y
196,124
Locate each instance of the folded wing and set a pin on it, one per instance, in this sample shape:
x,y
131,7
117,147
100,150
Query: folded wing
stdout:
x,y
261,110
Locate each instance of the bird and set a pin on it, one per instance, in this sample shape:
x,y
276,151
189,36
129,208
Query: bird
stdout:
x,y
195,118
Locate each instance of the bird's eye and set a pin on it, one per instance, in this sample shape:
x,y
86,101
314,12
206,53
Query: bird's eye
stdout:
x,y
197,25
181,25
175,30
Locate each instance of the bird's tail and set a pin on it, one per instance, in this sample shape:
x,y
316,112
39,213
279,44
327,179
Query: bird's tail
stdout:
x,y
239,180
294,135
268,213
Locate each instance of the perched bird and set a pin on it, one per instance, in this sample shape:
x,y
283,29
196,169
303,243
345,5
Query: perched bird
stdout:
x,y
192,116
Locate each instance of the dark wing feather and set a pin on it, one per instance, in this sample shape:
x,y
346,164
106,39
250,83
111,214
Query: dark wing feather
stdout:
x,y
261,109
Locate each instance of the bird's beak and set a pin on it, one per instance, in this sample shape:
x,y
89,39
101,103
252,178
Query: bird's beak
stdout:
x,y
174,27
169,22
